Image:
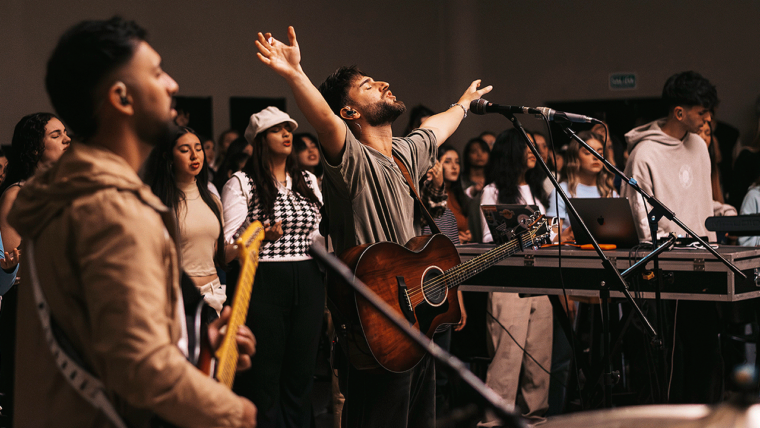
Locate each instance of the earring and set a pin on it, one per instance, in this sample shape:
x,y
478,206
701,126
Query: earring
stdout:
x,y
359,125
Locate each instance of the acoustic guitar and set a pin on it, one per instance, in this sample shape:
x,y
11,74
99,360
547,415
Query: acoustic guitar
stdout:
x,y
419,280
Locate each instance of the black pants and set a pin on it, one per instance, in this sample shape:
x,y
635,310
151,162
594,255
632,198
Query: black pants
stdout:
x,y
7,353
285,315
379,398
701,368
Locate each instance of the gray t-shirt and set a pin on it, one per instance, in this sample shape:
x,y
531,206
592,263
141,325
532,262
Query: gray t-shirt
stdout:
x,y
367,199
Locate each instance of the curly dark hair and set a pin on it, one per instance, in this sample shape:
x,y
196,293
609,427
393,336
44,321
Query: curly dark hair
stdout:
x,y
335,88
160,177
27,147
85,55
506,164
688,89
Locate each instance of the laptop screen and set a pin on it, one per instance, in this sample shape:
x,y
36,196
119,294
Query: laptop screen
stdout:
x,y
502,219
609,220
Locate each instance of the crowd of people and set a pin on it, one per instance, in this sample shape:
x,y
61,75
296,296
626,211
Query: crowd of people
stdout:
x,y
134,216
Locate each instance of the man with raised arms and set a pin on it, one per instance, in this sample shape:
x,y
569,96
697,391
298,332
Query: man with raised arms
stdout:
x,y
367,200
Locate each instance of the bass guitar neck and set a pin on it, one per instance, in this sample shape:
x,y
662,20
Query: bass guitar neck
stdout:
x,y
248,249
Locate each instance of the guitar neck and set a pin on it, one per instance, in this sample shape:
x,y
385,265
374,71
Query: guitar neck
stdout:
x,y
227,354
476,265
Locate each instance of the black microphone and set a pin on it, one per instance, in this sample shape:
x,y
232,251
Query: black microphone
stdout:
x,y
481,106
561,116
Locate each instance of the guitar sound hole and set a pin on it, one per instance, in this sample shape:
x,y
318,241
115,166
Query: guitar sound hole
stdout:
x,y
435,291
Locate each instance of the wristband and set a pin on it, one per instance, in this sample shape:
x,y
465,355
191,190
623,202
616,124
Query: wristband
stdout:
x,y
463,108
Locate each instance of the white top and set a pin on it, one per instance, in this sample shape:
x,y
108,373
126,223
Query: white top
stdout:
x,y
237,195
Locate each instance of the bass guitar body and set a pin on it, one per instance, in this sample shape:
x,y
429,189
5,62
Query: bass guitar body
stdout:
x,y
410,279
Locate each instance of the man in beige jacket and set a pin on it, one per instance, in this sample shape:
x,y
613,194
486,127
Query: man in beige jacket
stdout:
x,y
105,250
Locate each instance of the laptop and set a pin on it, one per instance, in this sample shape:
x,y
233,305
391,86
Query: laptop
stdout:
x,y
609,220
502,219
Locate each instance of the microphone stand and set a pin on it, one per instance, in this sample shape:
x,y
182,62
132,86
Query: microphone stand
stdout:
x,y
658,208
653,217
492,399
614,274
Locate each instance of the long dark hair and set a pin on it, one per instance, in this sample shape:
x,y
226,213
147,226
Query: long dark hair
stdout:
x,y
506,164
299,145
455,187
160,176
231,164
260,171
465,159
27,147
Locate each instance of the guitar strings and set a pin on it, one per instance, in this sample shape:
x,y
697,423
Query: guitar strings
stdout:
x,y
484,260
480,261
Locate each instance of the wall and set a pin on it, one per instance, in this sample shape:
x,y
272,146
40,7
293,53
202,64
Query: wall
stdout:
x,y
532,52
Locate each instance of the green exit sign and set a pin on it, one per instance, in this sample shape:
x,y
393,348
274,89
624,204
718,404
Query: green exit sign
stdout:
x,y
620,81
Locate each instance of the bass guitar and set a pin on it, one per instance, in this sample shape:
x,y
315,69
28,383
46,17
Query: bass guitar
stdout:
x,y
222,364
419,280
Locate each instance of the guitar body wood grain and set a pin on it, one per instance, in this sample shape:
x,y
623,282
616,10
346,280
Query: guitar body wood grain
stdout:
x,y
386,268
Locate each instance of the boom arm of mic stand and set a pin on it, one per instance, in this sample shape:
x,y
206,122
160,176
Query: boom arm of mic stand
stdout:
x,y
641,263
657,207
497,403
612,270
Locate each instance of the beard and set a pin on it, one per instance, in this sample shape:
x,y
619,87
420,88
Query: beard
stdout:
x,y
154,132
384,113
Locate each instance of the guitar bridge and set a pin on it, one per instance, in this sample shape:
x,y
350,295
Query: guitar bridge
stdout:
x,y
404,302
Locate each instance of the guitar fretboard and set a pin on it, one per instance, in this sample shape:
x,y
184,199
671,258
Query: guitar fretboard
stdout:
x,y
227,354
476,265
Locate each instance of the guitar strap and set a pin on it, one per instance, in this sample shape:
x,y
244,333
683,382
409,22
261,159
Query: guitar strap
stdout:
x,y
433,227
88,386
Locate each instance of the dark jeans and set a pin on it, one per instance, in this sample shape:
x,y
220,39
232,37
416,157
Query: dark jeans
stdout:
x,y
285,315
379,398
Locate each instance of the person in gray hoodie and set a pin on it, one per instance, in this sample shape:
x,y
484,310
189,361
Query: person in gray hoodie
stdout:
x,y
670,160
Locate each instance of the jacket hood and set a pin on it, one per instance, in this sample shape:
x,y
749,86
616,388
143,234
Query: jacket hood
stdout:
x,y
652,132
82,170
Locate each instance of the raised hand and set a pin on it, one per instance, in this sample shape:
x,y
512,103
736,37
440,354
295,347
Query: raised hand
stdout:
x,y
473,93
282,58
